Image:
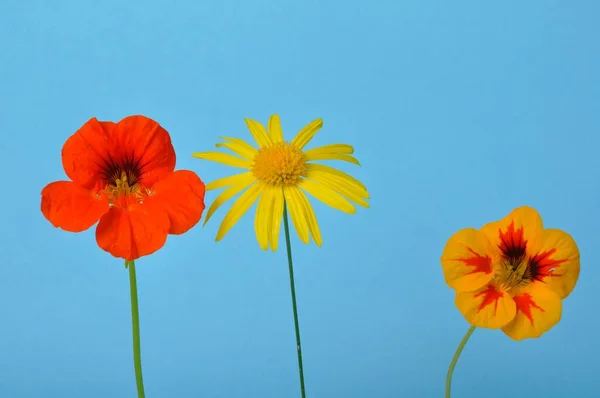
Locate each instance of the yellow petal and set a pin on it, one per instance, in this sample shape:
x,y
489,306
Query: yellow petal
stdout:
x,y
276,217
239,208
226,181
340,185
467,260
521,227
262,220
275,129
238,146
311,218
307,133
555,261
259,133
332,149
310,156
327,196
296,213
538,310
327,169
489,307
242,182
223,158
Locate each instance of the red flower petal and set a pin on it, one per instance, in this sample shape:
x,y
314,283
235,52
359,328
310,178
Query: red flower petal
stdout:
x,y
85,153
181,194
130,233
70,207
88,154
147,143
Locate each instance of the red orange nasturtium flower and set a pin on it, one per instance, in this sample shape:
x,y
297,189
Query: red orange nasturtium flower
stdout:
x,y
122,174
512,274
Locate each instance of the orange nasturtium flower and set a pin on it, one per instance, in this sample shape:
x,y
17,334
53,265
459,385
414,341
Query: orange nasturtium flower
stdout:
x,y
281,171
122,175
512,274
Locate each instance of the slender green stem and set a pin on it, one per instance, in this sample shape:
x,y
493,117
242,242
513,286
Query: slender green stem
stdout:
x,y
455,359
293,289
135,319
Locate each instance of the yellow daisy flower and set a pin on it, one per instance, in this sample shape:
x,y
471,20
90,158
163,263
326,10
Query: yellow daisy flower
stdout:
x,y
278,173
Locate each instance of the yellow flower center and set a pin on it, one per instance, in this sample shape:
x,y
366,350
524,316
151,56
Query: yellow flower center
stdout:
x,y
279,165
514,273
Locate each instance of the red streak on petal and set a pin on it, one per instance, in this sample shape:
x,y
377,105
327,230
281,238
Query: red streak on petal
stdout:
x,y
490,295
525,303
478,262
512,242
544,265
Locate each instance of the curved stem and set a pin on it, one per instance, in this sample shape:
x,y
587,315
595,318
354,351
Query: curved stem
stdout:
x,y
293,289
455,359
135,320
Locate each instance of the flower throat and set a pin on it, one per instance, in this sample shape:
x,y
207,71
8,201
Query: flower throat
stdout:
x,y
517,268
122,181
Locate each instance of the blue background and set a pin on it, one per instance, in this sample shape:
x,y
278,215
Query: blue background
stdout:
x,y
458,112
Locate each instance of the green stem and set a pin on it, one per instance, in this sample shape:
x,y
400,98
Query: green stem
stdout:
x,y
293,289
455,359
135,319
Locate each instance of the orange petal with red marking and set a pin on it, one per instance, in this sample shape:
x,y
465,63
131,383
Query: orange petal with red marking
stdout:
x,y
70,207
181,195
467,260
521,227
556,261
538,310
86,152
489,307
138,231
145,141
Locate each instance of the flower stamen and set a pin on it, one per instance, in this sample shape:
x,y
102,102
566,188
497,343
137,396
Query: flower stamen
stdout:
x,y
512,275
120,190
